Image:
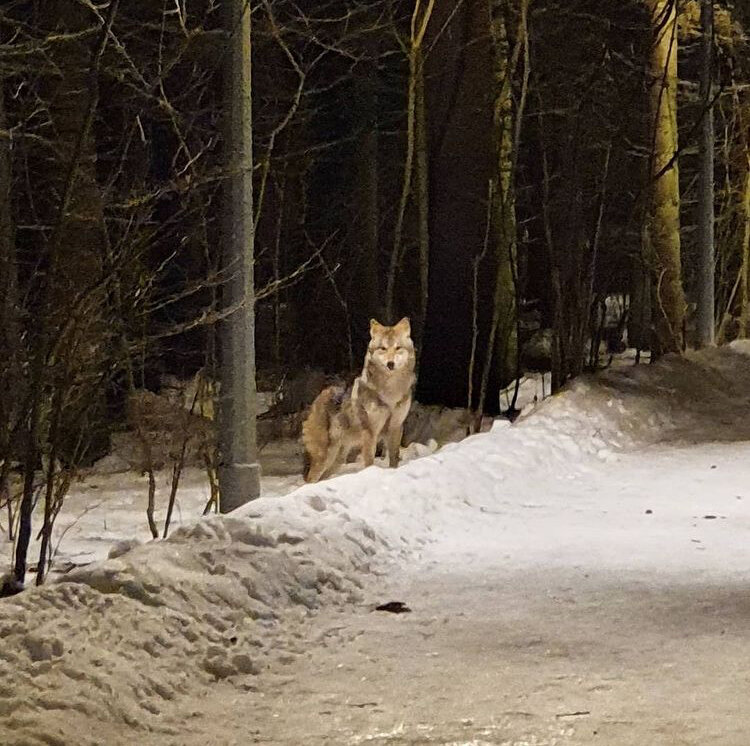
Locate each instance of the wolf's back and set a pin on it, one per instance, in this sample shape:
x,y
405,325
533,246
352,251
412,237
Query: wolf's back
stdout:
x,y
316,427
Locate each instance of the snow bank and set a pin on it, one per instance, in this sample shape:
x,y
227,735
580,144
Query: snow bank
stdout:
x,y
228,597
704,396
118,641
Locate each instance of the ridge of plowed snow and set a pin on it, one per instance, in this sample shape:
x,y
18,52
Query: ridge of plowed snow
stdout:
x,y
228,596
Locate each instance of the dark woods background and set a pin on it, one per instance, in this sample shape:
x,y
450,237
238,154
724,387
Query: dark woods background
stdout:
x,y
488,177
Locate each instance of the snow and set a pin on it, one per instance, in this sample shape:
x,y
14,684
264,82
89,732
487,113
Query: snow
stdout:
x,y
106,510
131,648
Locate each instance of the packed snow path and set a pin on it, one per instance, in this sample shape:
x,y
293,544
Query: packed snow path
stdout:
x,y
577,617
588,621
579,578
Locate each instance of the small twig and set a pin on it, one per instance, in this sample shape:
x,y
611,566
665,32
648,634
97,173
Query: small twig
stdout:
x,y
475,296
55,550
179,464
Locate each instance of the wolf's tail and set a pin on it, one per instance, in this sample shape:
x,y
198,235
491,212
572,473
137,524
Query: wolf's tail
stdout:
x,y
316,427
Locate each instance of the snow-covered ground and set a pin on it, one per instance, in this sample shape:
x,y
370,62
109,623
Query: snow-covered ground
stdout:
x,y
576,577
103,512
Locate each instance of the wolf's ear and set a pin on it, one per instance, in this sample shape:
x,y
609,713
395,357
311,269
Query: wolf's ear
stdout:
x,y
375,326
404,325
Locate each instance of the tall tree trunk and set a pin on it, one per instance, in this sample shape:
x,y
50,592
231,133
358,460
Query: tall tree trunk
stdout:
x,y
664,215
422,178
459,83
420,20
639,318
706,311
558,361
744,222
503,340
737,305
10,379
8,277
367,285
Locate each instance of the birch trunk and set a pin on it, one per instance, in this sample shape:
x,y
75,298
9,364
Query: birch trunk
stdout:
x,y
664,215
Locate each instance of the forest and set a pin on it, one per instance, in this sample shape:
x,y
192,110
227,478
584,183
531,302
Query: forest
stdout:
x,y
530,181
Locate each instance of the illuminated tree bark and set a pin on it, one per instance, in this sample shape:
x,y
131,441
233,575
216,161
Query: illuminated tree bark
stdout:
x,y
663,230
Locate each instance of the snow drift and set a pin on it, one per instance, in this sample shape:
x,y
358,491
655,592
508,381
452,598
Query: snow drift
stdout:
x,y
114,646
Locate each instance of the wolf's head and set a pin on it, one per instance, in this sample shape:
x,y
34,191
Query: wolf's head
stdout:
x,y
391,347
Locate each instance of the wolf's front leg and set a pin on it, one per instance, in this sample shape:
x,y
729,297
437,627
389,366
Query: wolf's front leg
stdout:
x,y
395,432
369,445
395,435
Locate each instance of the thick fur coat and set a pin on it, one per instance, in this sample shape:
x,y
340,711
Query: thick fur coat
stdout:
x,y
342,420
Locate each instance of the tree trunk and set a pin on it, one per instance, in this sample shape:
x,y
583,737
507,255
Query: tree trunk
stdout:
x,y
10,378
504,342
558,362
664,215
706,312
736,307
459,83
419,22
422,177
8,276
744,222
368,277
639,318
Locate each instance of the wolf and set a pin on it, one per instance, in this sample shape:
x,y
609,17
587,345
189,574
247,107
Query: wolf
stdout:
x,y
343,419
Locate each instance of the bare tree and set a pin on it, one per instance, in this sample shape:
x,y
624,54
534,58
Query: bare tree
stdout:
x,y
10,375
706,312
420,20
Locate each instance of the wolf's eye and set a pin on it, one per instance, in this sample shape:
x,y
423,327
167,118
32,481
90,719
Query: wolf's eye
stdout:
x,y
398,349
383,348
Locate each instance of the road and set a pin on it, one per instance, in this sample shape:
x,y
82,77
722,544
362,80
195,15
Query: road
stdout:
x,y
607,606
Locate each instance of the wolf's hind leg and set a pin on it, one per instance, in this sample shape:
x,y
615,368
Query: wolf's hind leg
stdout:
x,y
320,468
315,472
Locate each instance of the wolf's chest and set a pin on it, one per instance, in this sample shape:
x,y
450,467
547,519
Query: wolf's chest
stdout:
x,y
384,394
